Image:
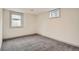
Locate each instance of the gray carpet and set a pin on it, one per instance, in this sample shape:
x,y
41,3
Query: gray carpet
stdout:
x,y
36,43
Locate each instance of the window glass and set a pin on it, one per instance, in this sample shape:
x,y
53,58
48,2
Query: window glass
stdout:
x,y
16,20
55,13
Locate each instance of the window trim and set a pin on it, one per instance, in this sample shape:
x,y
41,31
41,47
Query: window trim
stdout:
x,y
56,16
22,19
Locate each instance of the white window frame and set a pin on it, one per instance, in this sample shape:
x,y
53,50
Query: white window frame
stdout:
x,y
20,20
55,13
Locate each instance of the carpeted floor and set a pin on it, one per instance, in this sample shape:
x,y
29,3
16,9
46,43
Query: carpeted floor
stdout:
x,y
36,43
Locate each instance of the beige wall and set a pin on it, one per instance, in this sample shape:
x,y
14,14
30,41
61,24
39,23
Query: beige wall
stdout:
x,y
65,28
28,26
1,13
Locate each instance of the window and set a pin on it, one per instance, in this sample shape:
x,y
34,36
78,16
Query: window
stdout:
x,y
55,13
16,19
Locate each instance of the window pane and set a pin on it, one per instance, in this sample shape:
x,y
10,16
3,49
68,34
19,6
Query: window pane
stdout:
x,y
16,23
55,13
16,16
16,20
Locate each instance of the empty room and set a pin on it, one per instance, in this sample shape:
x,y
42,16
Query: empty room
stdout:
x,y
39,29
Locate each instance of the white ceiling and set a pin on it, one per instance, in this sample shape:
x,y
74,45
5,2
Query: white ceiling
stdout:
x,y
31,10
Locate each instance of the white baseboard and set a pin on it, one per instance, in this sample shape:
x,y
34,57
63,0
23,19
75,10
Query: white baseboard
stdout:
x,y
18,36
70,43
